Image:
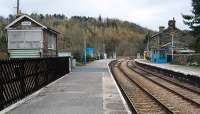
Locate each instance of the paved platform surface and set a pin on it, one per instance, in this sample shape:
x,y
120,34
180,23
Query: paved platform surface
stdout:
x,y
87,90
176,68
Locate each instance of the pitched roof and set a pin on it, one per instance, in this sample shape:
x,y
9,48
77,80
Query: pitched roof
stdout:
x,y
26,16
163,32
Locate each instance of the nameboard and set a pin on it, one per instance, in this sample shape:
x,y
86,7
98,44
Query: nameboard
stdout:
x,y
26,23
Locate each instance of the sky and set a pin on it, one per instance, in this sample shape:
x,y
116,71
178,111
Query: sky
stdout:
x,y
147,13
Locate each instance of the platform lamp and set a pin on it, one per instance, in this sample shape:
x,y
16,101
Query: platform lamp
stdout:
x,y
172,37
172,26
83,26
85,51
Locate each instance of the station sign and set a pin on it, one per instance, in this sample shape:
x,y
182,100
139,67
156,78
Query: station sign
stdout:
x,y
26,23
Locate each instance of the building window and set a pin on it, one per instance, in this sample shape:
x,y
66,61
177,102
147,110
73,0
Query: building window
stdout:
x,y
51,41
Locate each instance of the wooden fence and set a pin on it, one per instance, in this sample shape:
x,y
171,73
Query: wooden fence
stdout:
x,y
21,77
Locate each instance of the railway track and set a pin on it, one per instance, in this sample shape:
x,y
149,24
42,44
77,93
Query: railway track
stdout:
x,y
186,93
172,96
170,79
140,99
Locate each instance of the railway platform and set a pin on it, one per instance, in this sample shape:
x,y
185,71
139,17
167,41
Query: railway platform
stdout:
x,y
90,89
175,68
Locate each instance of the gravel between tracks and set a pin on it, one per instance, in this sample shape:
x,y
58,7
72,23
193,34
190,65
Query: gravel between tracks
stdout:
x,y
141,101
167,97
185,92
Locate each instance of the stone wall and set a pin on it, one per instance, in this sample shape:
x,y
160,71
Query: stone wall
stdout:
x,y
187,59
3,55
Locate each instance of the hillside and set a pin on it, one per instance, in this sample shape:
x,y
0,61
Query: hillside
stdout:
x,y
112,35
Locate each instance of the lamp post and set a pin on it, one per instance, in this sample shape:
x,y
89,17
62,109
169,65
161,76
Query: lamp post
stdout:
x,y
85,53
84,27
172,45
148,43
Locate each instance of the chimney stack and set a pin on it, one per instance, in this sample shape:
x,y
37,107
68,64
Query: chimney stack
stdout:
x,y
172,23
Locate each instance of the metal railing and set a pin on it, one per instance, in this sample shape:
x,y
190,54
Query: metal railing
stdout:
x,y
21,77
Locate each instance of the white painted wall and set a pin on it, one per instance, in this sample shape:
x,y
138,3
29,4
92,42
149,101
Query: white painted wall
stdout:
x,y
25,39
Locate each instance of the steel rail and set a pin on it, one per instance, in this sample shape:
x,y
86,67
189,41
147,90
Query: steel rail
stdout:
x,y
165,78
149,94
182,96
127,99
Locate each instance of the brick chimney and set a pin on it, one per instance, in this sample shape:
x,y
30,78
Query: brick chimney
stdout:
x,y
161,28
172,23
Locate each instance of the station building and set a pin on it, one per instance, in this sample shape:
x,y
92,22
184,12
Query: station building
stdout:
x,y
28,38
168,42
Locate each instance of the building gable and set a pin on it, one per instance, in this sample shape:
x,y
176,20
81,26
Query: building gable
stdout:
x,y
182,38
24,21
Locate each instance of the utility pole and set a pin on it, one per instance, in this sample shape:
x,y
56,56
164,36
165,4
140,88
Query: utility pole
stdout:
x,y
18,12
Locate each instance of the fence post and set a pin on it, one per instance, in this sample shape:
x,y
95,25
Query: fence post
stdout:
x,y
19,71
2,99
36,80
46,71
69,64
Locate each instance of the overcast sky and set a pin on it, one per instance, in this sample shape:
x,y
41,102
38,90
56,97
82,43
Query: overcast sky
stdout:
x,y
148,13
